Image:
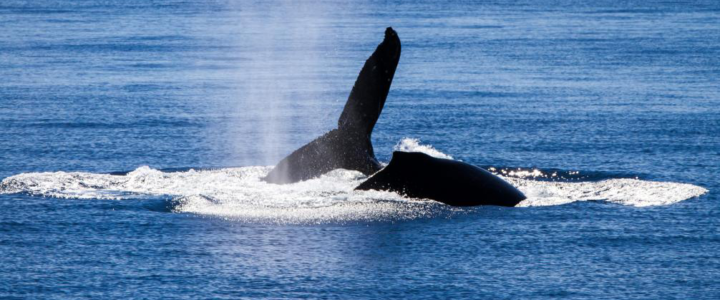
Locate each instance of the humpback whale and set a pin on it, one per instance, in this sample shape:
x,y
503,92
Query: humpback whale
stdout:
x,y
348,146
410,173
419,175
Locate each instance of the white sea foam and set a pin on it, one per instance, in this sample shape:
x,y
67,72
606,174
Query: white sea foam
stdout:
x,y
413,145
632,192
238,193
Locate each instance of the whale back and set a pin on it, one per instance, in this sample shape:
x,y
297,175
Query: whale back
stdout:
x,y
419,175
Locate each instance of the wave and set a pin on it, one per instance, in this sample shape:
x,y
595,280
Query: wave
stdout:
x,y
238,193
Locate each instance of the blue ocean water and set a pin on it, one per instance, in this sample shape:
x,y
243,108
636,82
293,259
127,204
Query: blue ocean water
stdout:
x,y
133,134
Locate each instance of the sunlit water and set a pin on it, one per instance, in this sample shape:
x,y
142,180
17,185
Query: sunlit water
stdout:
x,y
133,136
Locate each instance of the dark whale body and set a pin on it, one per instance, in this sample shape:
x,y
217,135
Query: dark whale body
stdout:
x,y
412,174
419,175
348,146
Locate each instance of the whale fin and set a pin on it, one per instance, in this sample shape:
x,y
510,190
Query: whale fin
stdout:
x,y
349,146
337,149
371,88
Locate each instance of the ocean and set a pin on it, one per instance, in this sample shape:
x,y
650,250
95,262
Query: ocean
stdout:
x,y
133,136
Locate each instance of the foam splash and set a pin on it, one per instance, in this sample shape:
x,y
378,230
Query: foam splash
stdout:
x,y
240,194
631,192
234,193
413,145
534,173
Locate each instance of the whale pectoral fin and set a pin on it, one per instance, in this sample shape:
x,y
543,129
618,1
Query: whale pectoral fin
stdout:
x,y
371,88
333,150
308,161
348,146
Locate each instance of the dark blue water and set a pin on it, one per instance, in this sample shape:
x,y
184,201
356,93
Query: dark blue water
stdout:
x,y
620,98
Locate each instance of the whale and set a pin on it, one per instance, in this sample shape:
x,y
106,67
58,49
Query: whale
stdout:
x,y
412,174
418,175
348,146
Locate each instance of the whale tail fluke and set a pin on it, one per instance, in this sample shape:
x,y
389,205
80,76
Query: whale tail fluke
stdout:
x,y
349,146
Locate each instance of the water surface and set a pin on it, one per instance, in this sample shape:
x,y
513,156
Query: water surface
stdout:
x,y
133,134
